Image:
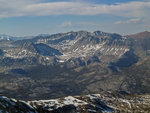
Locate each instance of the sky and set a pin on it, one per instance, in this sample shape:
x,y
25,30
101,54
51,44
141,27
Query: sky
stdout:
x,y
34,17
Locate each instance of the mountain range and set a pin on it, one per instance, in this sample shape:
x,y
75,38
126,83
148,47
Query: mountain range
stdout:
x,y
74,63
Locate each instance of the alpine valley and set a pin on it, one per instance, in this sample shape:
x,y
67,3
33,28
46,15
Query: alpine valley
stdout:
x,y
74,63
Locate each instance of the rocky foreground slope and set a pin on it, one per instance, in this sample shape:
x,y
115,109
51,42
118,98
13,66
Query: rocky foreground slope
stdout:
x,y
107,102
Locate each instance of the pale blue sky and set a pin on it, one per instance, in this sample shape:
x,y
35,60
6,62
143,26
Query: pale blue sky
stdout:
x,y
33,17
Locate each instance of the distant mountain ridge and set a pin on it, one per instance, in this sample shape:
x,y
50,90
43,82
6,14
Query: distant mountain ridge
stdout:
x,y
5,37
145,34
75,44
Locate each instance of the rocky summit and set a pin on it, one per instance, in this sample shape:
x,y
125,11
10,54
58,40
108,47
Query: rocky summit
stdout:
x,y
104,102
74,63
